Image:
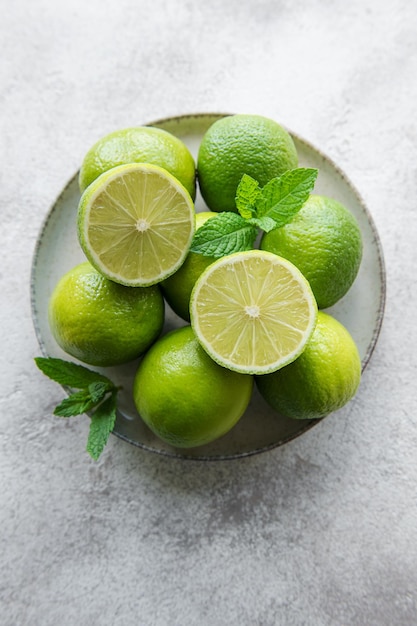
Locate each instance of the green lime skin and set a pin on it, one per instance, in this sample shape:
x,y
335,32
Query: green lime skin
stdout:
x,y
100,322
184,397
178,287
324,241
142,144
323,379
241,144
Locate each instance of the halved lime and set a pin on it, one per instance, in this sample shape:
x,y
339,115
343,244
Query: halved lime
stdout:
x,y
135,224
253,312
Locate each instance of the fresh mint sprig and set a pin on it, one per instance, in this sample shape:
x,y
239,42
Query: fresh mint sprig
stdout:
x,y
97,393
259,208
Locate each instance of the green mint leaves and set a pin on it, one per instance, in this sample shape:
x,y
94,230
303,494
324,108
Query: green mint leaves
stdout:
x,y
224,234
96,393
101,425
266,208
248,194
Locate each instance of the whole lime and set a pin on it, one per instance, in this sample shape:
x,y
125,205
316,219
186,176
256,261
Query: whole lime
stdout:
x,y
177,288
323,379
241,144
324,241
142,144
184,397
103,323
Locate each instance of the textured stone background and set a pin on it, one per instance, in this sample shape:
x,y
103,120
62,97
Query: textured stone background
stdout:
x,y
319,532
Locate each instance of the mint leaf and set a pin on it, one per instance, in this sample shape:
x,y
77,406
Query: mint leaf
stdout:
x,y
93,388
69,374
270,207
76,404
102,424
224,234
247,194
284,196
82,401
98,390
265,223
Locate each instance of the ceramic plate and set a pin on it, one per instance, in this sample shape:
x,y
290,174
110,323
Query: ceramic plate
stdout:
x,y
260,429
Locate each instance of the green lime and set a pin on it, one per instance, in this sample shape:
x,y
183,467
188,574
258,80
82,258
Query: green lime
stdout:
x,y
178,287
183,396
253,312
237,145
103,323
135,224
143,144
324,241
323,379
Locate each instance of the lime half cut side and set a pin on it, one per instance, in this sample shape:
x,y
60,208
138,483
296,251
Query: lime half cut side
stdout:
x,y
135,224
253,312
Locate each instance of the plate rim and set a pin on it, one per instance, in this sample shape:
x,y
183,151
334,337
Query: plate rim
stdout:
x,y
376,331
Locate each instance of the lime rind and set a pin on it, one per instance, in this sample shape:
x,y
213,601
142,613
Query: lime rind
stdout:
x,y
253,312
135,224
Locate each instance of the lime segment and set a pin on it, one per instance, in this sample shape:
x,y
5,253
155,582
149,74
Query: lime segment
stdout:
x,y
253,312
135,224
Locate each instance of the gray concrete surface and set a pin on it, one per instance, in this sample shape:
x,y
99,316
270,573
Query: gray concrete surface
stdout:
x,y
319,532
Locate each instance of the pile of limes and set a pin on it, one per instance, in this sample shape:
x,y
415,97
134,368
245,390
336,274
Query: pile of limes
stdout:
x,y
252,316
